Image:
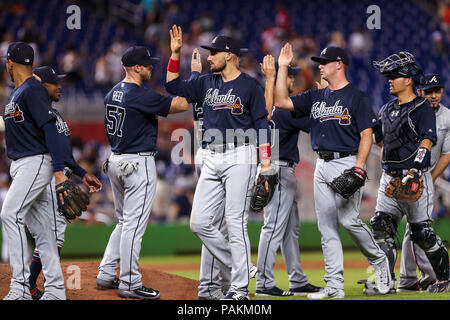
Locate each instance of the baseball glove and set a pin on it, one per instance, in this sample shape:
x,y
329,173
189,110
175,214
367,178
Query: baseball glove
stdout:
x,y
349,182
75,200
261,197
408,188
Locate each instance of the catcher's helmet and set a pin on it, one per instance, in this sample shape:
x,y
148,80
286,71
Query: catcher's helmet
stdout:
x,y
401,64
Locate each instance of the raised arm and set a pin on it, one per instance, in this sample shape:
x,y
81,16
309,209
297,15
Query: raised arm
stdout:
x,y
196,61
269,72
176,42
282,99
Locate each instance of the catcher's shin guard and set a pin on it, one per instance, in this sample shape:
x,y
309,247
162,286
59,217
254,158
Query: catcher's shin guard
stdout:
x,y
384,229
423,235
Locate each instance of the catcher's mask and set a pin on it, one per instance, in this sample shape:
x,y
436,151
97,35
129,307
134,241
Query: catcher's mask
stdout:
x,y
401,64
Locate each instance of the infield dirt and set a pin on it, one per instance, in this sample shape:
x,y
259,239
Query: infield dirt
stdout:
x,y
81,285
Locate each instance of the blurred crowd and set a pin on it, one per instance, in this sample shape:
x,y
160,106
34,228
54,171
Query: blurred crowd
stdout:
x,y
176,183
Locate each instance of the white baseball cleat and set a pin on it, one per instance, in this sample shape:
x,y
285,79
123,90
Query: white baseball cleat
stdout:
x,y
253,272
370,289
232,295
383,277
327,293
218,295
49,296
14,295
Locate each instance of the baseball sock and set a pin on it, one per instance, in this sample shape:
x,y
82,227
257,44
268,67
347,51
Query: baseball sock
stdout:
x,y
35,269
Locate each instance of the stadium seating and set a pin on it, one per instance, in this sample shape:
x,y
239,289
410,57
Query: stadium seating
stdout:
x,y
404,26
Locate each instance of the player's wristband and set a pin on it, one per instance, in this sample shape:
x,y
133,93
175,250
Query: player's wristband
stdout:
x,y
422,158
173,66
264,152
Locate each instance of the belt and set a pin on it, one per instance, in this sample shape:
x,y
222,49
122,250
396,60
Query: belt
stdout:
x,y
331,155
221,148
285,163
142,153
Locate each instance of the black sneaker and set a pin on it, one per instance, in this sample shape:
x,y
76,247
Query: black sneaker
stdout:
x,y
232,295
105,284
439,286
140,293
413,288
303,291
273,292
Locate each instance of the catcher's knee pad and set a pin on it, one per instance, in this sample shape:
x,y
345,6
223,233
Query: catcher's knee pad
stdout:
x,y
384,229
383,225
423,235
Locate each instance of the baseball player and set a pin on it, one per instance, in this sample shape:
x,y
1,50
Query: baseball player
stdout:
x,y
408,133
412,254
51,81
215,277
233,109
281,219
342,122
36,150
131,125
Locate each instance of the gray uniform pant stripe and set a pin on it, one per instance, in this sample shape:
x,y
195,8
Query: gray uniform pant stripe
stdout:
x,y
59,223
22,244
271,234
31,175
214,267
139,221
412,257
214,275
133,198
281,230
228,175
333,211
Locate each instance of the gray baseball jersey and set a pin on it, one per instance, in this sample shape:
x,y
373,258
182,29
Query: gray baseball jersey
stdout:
x,y
412,255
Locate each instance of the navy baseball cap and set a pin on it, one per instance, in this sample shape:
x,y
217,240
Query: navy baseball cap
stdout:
x,y
20,52
48,75
226,44
138,55
432,80
330,54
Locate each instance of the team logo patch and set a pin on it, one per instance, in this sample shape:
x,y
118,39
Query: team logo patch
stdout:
x,y
320,111
12,110
224,101
414,187
62,126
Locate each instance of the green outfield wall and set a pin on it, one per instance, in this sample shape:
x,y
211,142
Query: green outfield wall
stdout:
x,y
169,239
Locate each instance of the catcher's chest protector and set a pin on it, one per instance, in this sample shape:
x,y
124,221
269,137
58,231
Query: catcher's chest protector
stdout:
x,y
400,140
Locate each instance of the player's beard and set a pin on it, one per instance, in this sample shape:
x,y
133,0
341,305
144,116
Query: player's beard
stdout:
x,y
218,68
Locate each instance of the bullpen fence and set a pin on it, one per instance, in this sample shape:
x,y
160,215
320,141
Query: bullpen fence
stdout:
x,y
171,239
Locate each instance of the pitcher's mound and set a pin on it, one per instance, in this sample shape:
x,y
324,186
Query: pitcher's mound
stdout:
x,y
80,283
